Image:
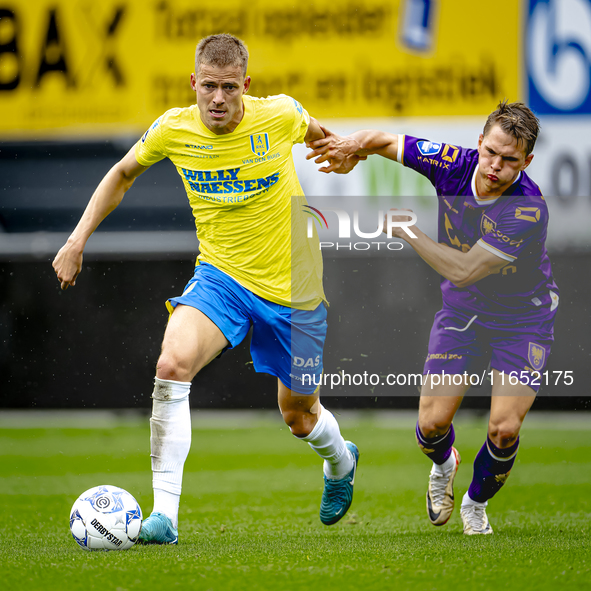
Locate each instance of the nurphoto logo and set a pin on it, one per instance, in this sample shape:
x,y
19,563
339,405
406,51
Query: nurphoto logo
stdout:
x,y
385,225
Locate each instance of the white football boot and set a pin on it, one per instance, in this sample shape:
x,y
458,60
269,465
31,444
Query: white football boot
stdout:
x,y
475,519
440,494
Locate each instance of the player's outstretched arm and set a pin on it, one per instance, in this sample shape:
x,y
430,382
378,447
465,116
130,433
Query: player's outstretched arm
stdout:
x,y
68,261
461,268
318,132
341,151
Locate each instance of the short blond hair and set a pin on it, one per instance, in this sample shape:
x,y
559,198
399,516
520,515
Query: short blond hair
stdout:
x,y
221,51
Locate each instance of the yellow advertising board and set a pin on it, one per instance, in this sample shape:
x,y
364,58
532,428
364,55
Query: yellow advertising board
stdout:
x,y
82,67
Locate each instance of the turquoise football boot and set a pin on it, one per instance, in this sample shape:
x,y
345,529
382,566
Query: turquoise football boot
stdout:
x,y
157,529
338,494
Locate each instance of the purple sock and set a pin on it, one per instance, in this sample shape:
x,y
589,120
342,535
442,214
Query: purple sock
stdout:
x,y
491,469
437,448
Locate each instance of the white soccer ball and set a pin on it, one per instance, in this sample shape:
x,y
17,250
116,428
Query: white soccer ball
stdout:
x,y
105,518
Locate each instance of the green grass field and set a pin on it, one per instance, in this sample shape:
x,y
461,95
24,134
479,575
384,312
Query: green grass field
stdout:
x,y
249,512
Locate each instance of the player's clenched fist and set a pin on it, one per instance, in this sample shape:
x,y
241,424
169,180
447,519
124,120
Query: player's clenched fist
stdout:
x,y
67,265
398,223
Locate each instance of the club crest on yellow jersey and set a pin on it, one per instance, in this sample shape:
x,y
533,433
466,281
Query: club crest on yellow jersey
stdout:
x,y
259,143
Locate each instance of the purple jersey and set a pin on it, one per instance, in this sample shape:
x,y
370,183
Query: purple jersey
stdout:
x,y
513,227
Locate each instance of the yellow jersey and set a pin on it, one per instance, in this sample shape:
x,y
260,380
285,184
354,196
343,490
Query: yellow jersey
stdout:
x,y
245,196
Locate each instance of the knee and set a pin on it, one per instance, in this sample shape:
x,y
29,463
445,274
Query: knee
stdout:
x,y
432,427
504,433
435,415
301,423
171,367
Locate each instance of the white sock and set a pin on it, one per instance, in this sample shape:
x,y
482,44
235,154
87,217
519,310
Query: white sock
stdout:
x,y
468,502
326,440
170,441
167,503
446,467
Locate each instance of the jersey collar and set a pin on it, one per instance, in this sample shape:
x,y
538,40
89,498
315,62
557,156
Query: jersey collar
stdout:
x,y
485,202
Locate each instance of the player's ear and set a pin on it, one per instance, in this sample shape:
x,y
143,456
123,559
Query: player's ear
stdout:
x,y
193,82
527,162
480,138
246,85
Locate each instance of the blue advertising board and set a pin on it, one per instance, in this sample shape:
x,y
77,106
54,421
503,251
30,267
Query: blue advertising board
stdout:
x,y
558,56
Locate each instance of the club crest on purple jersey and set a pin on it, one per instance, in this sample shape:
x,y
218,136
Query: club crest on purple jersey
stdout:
x,y
536,355
427,148
487,225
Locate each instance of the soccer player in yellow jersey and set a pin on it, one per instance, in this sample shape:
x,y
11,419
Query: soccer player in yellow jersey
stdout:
x,y
255,268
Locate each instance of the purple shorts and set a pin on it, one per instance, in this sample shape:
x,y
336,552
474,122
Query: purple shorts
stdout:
x,y
462,343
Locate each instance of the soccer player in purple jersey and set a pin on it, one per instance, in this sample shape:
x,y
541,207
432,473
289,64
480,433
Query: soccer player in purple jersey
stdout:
x,y
499,296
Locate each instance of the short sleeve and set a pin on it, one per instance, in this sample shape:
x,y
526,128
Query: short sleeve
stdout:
x,y
517,231
150,148
433,160
301,122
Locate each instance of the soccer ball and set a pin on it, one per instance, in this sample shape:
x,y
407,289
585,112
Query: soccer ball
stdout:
x,y
105,518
